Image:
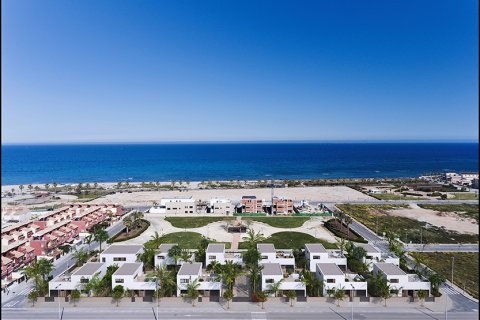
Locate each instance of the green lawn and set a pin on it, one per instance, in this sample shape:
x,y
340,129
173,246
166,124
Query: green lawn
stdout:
x,y
462,209
464,196
408,229
387,196
194,222
281,222
292,240
465,267
189,240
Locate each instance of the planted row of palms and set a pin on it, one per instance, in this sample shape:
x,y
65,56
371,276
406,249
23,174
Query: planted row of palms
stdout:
x,y
133,221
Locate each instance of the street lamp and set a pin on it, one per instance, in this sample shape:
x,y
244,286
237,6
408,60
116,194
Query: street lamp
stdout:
x,y
453,259
351,285
156,285
58,296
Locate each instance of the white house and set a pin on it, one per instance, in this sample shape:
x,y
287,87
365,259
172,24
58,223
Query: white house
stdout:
x,y
175,206
316,253
132,278
120,253
409,284
334,278
221,206
189,272
268,254
65,283
374,255
162,258
217,252
272,273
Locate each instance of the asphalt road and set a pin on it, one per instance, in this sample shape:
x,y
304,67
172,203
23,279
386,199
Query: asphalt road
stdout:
x,y
470,247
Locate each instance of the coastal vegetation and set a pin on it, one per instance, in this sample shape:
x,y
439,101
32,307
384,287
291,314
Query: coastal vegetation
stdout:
x,y
462,209
377,219
183,239
194,222
280,222
392,196
465,267
291,240
464,196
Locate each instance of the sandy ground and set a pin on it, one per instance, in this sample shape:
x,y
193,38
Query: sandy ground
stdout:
x,y
217,231
449,220
320,194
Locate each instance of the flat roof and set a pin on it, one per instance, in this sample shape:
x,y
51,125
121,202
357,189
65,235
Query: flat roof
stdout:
x,y
123,249
164,247
128,269
190,269
329,269
88,269
315,247
390,269
367,247
272,269
266,248
216,248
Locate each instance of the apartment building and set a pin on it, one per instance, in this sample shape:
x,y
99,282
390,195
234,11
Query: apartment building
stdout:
x,y
208,285
15,214
220,206
407,284
316,253
216,252
273,273
176,206
282,205
334,279
269,254
250,204
120,254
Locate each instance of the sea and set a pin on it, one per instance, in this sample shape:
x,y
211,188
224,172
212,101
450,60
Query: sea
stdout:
x,y
30,164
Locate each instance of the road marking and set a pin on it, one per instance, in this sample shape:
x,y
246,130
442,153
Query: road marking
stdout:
x,y
259,315
11,304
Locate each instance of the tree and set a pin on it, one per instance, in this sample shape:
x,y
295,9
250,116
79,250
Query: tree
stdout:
x,y
45,267
291,295
252,238
348,222
47,186
192,291
65,248
339,295
75,295
186,255
229,272
418,261
251,257
33,272
166,279
94,285
275,287
156,239
30,187
32,297
201,252
128,222
147,257
436,280
100,235
228,295
81,256
341,243
262,297
385,291
422,294
88,241
255,271
118,293
175,253
21,188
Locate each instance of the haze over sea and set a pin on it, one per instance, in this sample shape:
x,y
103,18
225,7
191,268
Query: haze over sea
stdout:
x,y
25,164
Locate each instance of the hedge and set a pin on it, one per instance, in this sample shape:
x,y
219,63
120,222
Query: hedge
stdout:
x,y
338,233
145,225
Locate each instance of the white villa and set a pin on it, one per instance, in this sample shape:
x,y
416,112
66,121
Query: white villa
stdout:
x,y
316,253
334,278
162,258
273,273
217,252
221,206
374,256
64,283
132,278
120,253
408,284
269,254
189,272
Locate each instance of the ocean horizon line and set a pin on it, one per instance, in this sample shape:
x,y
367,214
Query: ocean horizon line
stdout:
x,y
393,141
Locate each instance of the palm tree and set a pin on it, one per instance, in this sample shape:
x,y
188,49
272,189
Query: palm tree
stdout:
x,y
32,297
118,293
422,294
128,222
255,271
418,261
192,291
30,187
228,295
168,283
253,238
81,256
47,186
33,272
75,295
230,271
45,267
214,266
348,222
21,188
156,238
262,297
88,241
147,257
436,280
290,294
275,287
175,253
101,235
186,255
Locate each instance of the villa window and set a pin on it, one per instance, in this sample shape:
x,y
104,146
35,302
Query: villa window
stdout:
x,y
119,259
212,257
316,257
269,281
330,280
118,280
264,257
184,280
394,280
161,257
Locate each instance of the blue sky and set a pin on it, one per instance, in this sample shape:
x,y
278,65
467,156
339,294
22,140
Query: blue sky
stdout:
x,y
146,71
